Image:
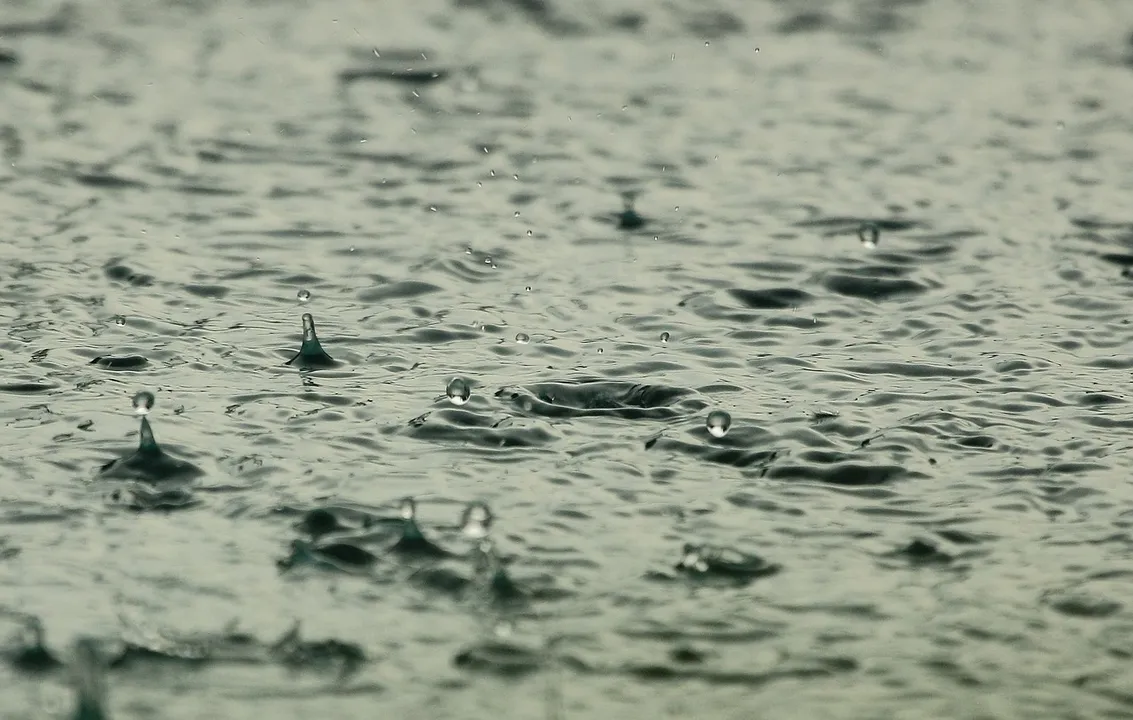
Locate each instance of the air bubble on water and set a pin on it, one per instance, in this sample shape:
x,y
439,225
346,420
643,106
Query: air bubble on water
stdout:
x,y
528,288
407,509
528,233
718,423
523,338
467,250
488,260
458,391
600,351
143,402
119,320
664,337
869,234
517,213
304,295
476,521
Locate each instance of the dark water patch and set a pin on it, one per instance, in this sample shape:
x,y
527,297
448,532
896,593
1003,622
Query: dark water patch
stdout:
x,y
500,658
467,427
215,292
141,497
59,23
107,181
878,282
402,290
911,370
589,397
835,468
27,388
758,458
121,362
771,298
118,272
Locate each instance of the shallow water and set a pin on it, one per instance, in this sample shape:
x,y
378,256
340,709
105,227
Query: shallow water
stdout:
x,y
930,439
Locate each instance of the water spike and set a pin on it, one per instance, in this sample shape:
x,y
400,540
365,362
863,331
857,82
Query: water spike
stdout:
x,y
311,353
628,218
147,444
88,672
412,540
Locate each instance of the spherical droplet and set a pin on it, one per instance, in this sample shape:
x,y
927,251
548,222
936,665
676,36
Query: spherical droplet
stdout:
x,y
143,402
476,521
528,288
718,423
523,338
304,295
119,320
869,234
458,391
664,337
407,509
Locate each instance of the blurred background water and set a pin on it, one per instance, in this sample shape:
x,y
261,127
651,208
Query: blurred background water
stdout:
x,y
891,239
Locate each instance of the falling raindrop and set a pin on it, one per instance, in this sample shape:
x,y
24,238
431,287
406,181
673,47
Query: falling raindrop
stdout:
x,y
718,423
304,295
869,234
459,391
143,402
523,338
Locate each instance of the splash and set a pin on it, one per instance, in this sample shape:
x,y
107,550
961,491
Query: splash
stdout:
x,y
311,354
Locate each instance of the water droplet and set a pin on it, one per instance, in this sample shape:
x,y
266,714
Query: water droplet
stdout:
x,y
304,295
705,43
309,328
143,402
407,509
664,337
528,288
476,521
523,338
517,213
600,351
869,234
488,260
458,391
718,423
119,320
528,233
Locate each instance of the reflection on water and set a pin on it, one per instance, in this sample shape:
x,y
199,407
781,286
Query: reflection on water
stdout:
x,y
788,344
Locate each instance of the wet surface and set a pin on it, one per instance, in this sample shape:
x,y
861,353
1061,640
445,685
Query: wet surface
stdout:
x,y
788,343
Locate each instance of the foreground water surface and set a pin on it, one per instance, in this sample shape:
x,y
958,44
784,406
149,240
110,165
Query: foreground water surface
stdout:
x,y
791,344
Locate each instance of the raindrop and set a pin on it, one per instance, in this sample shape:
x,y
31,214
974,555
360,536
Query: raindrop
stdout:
x,y
408,509
459,391
528,288
304,295
600,351
119,320
528,233
664,337
476,520
869,234
718,423
143,402
523,338
517,213
488,260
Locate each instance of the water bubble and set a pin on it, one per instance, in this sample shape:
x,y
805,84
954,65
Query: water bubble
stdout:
x,y
119,320
869,234
488,260
304,295
528,288
517,213
143,402
458,391
664,337
718,423
476,521
528,233
523,338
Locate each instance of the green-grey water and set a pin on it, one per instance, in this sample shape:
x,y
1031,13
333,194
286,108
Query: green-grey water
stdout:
x,y
892,241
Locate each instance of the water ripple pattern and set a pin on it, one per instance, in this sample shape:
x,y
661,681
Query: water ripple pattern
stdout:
x,y
788,343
